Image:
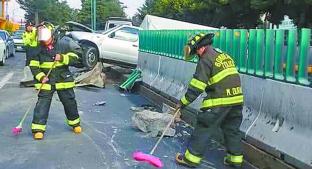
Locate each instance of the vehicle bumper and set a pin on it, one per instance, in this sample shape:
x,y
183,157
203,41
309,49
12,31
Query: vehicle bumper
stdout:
x,y
19,47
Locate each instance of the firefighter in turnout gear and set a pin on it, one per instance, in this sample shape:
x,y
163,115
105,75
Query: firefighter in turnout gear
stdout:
x,y
30,45
30,41
216,75
55,54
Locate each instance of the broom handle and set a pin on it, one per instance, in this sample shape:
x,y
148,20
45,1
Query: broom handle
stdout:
x,y
28,110
163,133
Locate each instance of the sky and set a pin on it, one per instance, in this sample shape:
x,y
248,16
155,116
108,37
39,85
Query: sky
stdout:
x,y
132,6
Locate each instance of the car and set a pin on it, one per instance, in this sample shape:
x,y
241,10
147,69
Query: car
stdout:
x,y
18,40
2,52
8,40
118,45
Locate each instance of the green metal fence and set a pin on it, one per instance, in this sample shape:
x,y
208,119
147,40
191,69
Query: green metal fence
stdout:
x,y
278,54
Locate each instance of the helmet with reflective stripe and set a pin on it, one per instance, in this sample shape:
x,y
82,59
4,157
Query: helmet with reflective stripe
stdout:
x,y
197,42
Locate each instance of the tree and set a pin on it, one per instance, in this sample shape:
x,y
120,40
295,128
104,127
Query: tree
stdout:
x,y
298,10
54,11
230,13
104,9
147,8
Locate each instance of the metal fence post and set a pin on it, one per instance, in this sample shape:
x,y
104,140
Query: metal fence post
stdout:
x,y
229,42
269,53
303,57
291,54
243,51
251,52
223,39
236,47
278,60
260,53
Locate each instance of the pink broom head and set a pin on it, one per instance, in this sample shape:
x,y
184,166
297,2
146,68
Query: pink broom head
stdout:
x,y
155,161
16,130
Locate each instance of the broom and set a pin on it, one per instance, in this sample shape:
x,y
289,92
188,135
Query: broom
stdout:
x,y
18,129
150,158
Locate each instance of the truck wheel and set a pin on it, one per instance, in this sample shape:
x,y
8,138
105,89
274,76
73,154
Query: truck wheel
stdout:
x,y
90,57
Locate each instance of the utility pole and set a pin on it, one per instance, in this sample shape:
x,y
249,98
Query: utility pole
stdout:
x,y
93,14
36,17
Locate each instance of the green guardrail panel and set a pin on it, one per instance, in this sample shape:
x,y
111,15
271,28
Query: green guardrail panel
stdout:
x,y
223,39
291,54
153,44
148,42
303,56
278,60
236,46
259,67
141,41
175,44
229,42
183,42
216,39
269,53
166,44
251,51
243,51
162,43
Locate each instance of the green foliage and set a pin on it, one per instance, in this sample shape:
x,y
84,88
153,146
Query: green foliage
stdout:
x,y
54,11
230,13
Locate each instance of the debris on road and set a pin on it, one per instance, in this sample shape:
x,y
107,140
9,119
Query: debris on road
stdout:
x,y
153,122
94,77
100,103
144,107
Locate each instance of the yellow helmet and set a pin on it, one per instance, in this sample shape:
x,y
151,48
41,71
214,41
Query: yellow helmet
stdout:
x,y
196,42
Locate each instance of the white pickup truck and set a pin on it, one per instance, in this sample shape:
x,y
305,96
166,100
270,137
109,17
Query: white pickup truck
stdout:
x,y
118,45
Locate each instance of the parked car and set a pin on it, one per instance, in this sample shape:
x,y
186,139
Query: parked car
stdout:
x,y
2,52
118,45
8,40
18,40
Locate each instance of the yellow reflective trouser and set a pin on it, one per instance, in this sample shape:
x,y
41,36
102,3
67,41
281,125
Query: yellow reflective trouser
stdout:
x,y
58,86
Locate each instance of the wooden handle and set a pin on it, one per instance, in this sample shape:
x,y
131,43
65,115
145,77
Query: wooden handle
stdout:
x,y
167,127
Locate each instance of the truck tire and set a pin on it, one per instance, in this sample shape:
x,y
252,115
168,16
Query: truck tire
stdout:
x,y
90,57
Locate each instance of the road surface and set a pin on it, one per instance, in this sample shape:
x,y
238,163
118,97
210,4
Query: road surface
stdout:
x,y
108,138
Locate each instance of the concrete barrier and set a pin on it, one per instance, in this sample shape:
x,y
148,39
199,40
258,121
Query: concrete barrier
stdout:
x,y
277,115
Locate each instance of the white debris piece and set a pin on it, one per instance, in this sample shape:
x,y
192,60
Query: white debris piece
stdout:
x,y
153,122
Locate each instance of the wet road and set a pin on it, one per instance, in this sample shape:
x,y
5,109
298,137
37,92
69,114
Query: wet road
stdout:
x,y
108,137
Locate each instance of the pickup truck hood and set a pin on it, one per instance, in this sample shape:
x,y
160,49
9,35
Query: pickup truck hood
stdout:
x,y
93,37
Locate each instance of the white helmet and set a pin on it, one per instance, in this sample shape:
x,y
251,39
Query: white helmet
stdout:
x,y
44,34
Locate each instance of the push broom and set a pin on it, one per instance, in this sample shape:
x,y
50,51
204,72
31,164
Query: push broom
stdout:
x,y
18,129
150,158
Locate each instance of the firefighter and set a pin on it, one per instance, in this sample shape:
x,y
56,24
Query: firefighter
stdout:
x,y
30,45
216,75
56,56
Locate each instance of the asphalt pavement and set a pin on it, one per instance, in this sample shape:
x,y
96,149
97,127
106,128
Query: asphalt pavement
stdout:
x,y
108,138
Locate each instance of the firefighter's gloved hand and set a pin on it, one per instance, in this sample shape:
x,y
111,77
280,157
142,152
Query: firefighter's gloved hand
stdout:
x,y
45,80
58,57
